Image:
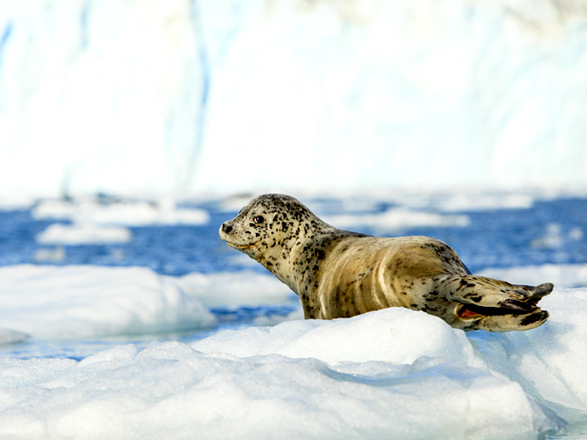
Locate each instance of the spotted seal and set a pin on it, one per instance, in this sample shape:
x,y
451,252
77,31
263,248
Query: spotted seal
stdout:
x,y
339,273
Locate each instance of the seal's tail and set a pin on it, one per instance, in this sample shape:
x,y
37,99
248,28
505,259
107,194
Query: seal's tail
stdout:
x,y
496,305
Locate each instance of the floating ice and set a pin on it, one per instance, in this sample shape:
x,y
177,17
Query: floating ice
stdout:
x,y
91,301
12,337
394,335
483,202
234,288
395,219
14,203
564,274
138,213
76,234
170,389
555,237
549,361
50,255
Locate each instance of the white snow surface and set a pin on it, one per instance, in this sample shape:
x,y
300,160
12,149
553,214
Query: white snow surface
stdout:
x,y
74,302
394,373
234,288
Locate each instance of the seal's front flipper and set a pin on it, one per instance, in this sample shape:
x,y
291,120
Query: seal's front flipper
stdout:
x,y
495,305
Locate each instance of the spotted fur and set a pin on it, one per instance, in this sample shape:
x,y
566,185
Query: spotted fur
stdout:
x,y
339,273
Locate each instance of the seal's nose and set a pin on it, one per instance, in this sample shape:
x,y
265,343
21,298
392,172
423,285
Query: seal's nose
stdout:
x,y
226,228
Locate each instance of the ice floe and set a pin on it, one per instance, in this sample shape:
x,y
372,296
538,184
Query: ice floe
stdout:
x,y
393,373
564,274
234,288
395,219
76,234
92,301
129,213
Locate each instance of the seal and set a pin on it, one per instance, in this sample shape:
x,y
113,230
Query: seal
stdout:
x,y
339,274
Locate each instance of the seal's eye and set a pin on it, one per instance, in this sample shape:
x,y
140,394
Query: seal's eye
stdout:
x,y
258,219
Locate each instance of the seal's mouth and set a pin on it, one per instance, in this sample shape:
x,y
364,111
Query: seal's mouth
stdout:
x,y
239,246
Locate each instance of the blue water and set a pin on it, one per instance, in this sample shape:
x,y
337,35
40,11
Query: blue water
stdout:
x,y
494,238
548,232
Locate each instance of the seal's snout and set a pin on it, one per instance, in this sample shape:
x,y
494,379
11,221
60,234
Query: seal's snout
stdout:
x,y
226,228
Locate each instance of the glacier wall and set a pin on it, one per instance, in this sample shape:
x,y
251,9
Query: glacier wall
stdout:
x,y
131,96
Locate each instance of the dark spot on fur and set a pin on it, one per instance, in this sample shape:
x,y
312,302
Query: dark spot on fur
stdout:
x,y
534,317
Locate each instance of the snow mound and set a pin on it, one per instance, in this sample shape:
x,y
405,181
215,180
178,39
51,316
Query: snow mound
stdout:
x,y
395,335
548,361
169,389
91,301
234,288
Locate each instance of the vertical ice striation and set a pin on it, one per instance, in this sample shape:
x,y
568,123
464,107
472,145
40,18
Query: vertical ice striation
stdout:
x,y
98,95
225,95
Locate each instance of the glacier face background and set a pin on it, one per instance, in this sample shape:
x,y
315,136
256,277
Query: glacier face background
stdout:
x,y
225,95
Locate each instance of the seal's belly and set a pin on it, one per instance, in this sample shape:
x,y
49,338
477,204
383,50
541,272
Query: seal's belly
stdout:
x,y
369,273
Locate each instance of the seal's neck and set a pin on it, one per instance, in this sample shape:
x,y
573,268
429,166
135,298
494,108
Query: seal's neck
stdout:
x,y
295,254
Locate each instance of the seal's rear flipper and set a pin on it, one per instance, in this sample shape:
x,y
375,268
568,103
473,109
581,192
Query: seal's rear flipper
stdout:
x,y
495,305
539,292
488,292
506,323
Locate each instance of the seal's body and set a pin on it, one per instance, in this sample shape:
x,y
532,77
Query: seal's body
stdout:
x,y
340,274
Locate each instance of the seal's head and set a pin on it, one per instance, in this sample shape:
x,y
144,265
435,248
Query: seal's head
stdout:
x,y
269,226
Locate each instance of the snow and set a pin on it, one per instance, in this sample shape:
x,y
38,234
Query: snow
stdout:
x,y
170,388
547,362
399,336
234,288
72,302
391,373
